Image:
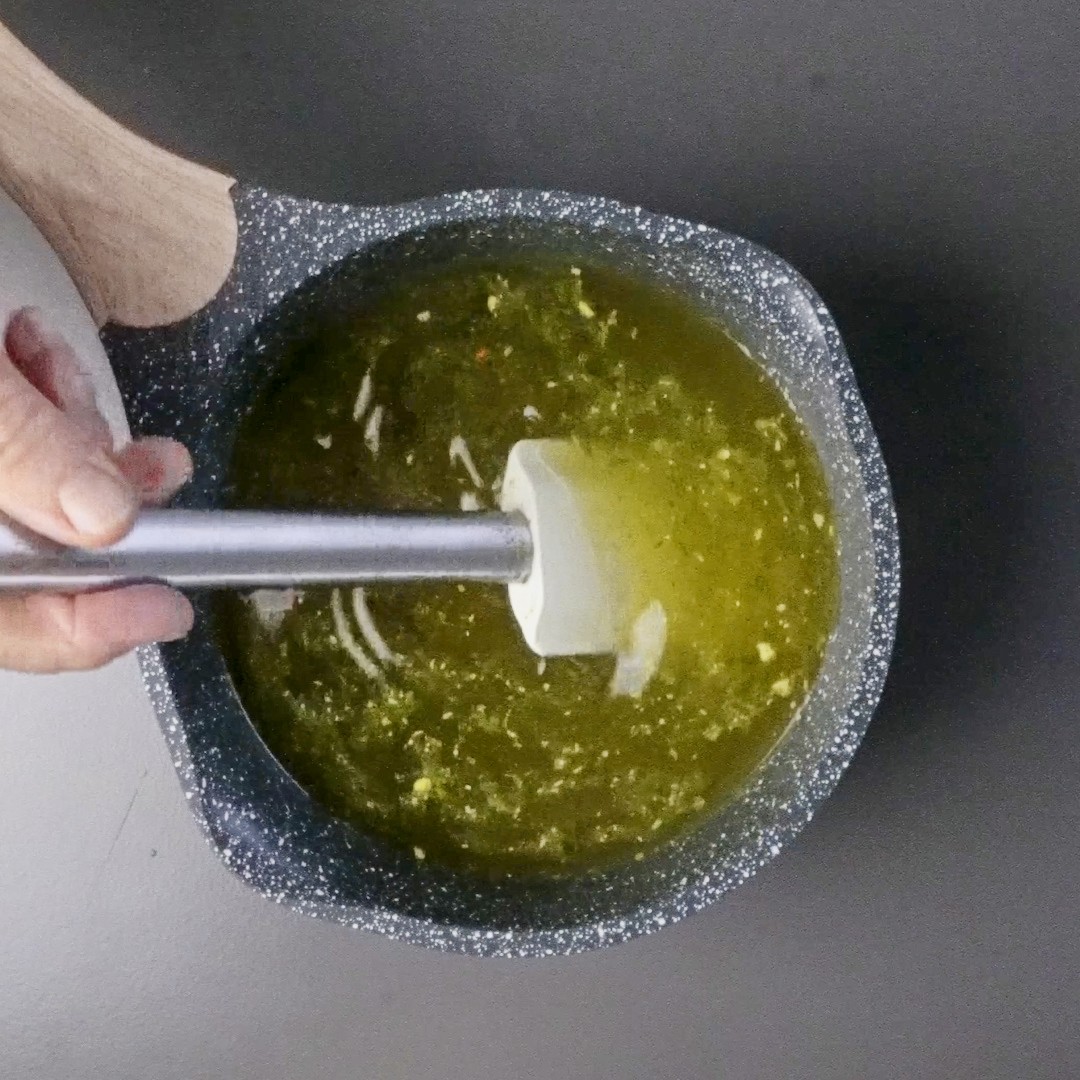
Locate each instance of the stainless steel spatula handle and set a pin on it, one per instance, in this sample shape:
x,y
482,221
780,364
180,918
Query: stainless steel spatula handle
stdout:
x,y
257,549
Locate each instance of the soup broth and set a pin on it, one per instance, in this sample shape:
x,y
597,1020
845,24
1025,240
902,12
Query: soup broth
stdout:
x,y
416,711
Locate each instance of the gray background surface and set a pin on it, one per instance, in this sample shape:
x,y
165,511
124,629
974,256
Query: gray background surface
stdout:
x,y
920,163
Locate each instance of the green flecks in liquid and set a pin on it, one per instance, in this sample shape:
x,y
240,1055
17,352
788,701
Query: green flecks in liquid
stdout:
x,y
467,747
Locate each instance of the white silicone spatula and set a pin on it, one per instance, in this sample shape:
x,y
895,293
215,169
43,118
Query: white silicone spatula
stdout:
x,y
561,585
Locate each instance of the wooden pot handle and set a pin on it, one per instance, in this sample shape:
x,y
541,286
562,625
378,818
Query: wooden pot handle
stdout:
x,y
147,237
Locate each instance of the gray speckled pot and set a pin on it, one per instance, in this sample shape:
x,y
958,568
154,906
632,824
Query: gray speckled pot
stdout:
x,y
192,380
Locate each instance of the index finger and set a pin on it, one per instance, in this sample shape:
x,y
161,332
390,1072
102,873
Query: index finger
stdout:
x,y
56,477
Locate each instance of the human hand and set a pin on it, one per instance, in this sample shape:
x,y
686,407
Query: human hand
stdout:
x,y
60,477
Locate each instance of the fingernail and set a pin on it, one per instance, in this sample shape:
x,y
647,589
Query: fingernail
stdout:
x,y
157,467
176,622
34,335
25,333
150,613
98,502
33,320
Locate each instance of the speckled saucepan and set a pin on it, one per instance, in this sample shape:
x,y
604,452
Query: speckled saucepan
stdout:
x,y
195,280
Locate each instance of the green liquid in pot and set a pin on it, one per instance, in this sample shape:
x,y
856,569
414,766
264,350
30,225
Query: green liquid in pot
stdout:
x,y
441,731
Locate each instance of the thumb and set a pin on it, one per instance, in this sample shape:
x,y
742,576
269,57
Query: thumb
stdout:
x,y
54,478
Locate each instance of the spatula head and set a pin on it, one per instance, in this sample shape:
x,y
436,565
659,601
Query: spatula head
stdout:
x,y
568,605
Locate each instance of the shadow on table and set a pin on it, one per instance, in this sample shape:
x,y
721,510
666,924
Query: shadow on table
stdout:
x,y
936,354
